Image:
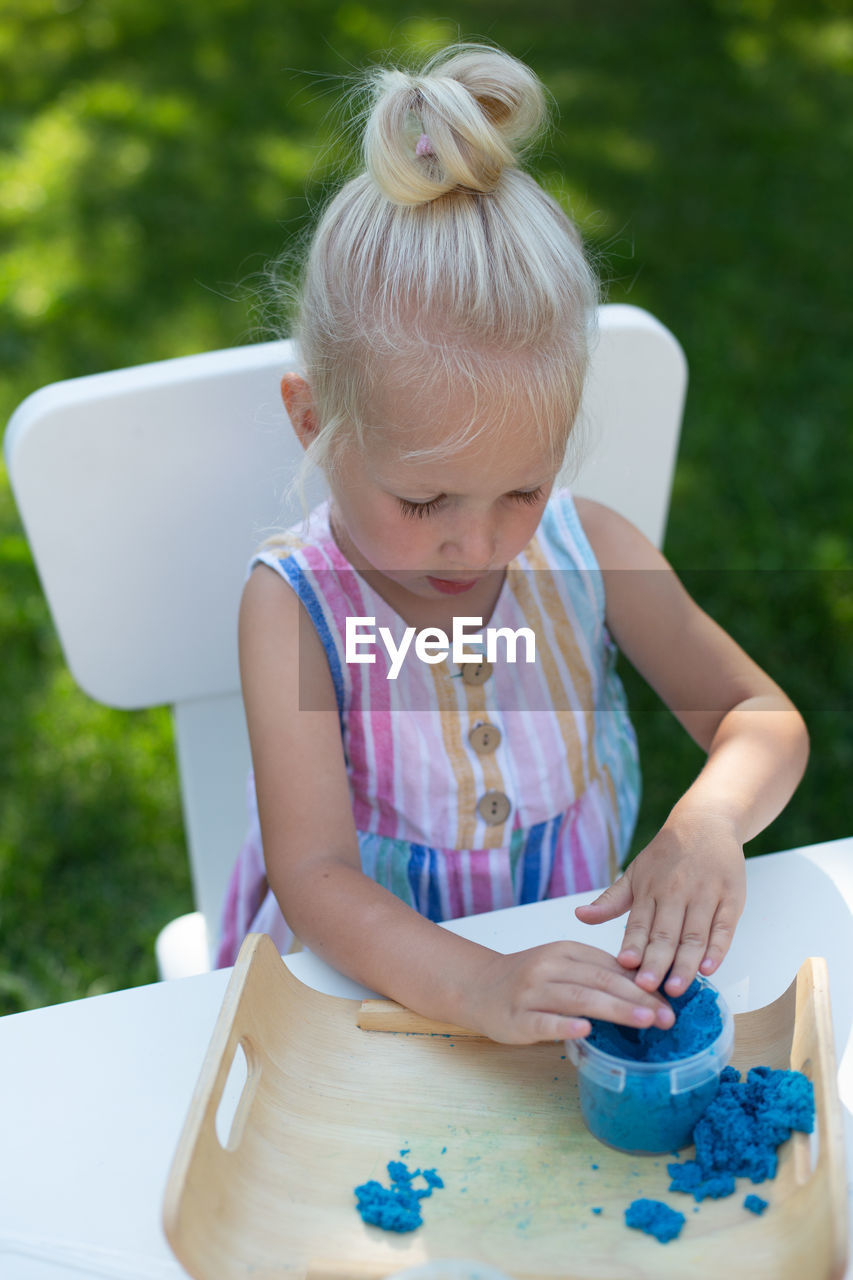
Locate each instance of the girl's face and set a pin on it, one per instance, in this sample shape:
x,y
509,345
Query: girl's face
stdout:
x,y
440,530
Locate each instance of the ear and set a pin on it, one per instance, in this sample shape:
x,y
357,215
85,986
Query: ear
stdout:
x,y
299,403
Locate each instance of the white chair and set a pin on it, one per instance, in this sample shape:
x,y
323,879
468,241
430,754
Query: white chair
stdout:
x,y
143,493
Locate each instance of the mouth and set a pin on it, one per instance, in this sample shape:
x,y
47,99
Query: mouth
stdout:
x,y
451,586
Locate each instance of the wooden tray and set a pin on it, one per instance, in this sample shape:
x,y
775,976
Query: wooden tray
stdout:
x,y
327,1104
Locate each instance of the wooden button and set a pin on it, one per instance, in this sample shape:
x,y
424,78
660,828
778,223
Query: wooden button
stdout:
x,y
476,672
485,738
494,808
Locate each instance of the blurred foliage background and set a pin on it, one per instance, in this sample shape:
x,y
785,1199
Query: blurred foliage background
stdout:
x,y
155,156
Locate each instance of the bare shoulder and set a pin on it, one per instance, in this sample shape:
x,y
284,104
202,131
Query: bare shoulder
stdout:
x,y
279,646
616,542
267,593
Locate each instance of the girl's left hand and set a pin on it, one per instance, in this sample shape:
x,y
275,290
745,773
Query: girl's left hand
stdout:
x,y
685,891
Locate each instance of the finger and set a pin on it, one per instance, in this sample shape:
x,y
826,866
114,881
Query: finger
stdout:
x,y
582,953
608,994
539,1024
664,935
692,948
585,966
602,970
722,931
628,1013
635,939
614,902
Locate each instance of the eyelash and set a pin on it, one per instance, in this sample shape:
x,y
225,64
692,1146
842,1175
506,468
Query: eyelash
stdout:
x,y
421,509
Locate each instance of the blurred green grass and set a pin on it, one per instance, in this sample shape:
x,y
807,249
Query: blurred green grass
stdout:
x,y
153,157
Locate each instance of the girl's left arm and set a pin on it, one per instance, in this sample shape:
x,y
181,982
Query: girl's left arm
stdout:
x,y
686,890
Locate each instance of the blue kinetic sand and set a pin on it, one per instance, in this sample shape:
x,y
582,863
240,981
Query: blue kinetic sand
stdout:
x,y
738,1135
398,1207
643,1090
655,1218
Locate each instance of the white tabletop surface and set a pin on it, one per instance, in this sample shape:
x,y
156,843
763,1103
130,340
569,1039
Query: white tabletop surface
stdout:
x,y
95,1092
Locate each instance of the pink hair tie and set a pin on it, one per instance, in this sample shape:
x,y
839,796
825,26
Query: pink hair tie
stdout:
x,y
424,146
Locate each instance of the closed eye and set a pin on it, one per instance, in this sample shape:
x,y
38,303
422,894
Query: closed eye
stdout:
x,y
421,509
529,496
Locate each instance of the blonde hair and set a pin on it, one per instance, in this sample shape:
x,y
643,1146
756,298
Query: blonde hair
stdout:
x,y
444,260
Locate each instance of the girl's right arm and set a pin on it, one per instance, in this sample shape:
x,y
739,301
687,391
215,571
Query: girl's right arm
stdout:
x,y
363,930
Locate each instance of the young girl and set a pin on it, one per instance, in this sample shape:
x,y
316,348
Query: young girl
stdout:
x,y
444,324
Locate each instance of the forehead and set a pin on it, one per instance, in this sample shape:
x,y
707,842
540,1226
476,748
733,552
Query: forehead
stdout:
x,y
485,436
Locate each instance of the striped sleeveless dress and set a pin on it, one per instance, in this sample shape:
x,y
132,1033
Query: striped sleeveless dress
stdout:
x,y
474,786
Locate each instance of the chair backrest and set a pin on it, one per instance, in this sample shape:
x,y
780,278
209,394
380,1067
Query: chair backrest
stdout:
x,y
144,491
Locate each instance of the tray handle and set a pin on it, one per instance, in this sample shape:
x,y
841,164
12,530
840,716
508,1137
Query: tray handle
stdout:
x,y
200,1156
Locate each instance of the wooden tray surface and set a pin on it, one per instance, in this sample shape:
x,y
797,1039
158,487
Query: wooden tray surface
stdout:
x,y
327,1104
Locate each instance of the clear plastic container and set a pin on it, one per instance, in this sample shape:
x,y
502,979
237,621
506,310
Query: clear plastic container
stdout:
x,y
647,1108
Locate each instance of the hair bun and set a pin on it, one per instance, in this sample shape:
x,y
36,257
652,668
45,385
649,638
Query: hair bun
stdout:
x,y
477,106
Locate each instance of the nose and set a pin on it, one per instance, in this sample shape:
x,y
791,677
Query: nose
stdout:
x,y
471,544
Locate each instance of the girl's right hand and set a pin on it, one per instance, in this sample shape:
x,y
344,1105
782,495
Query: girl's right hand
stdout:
x,y
550,992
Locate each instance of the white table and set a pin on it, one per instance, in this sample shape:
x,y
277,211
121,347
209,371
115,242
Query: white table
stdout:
x,y
95,1092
